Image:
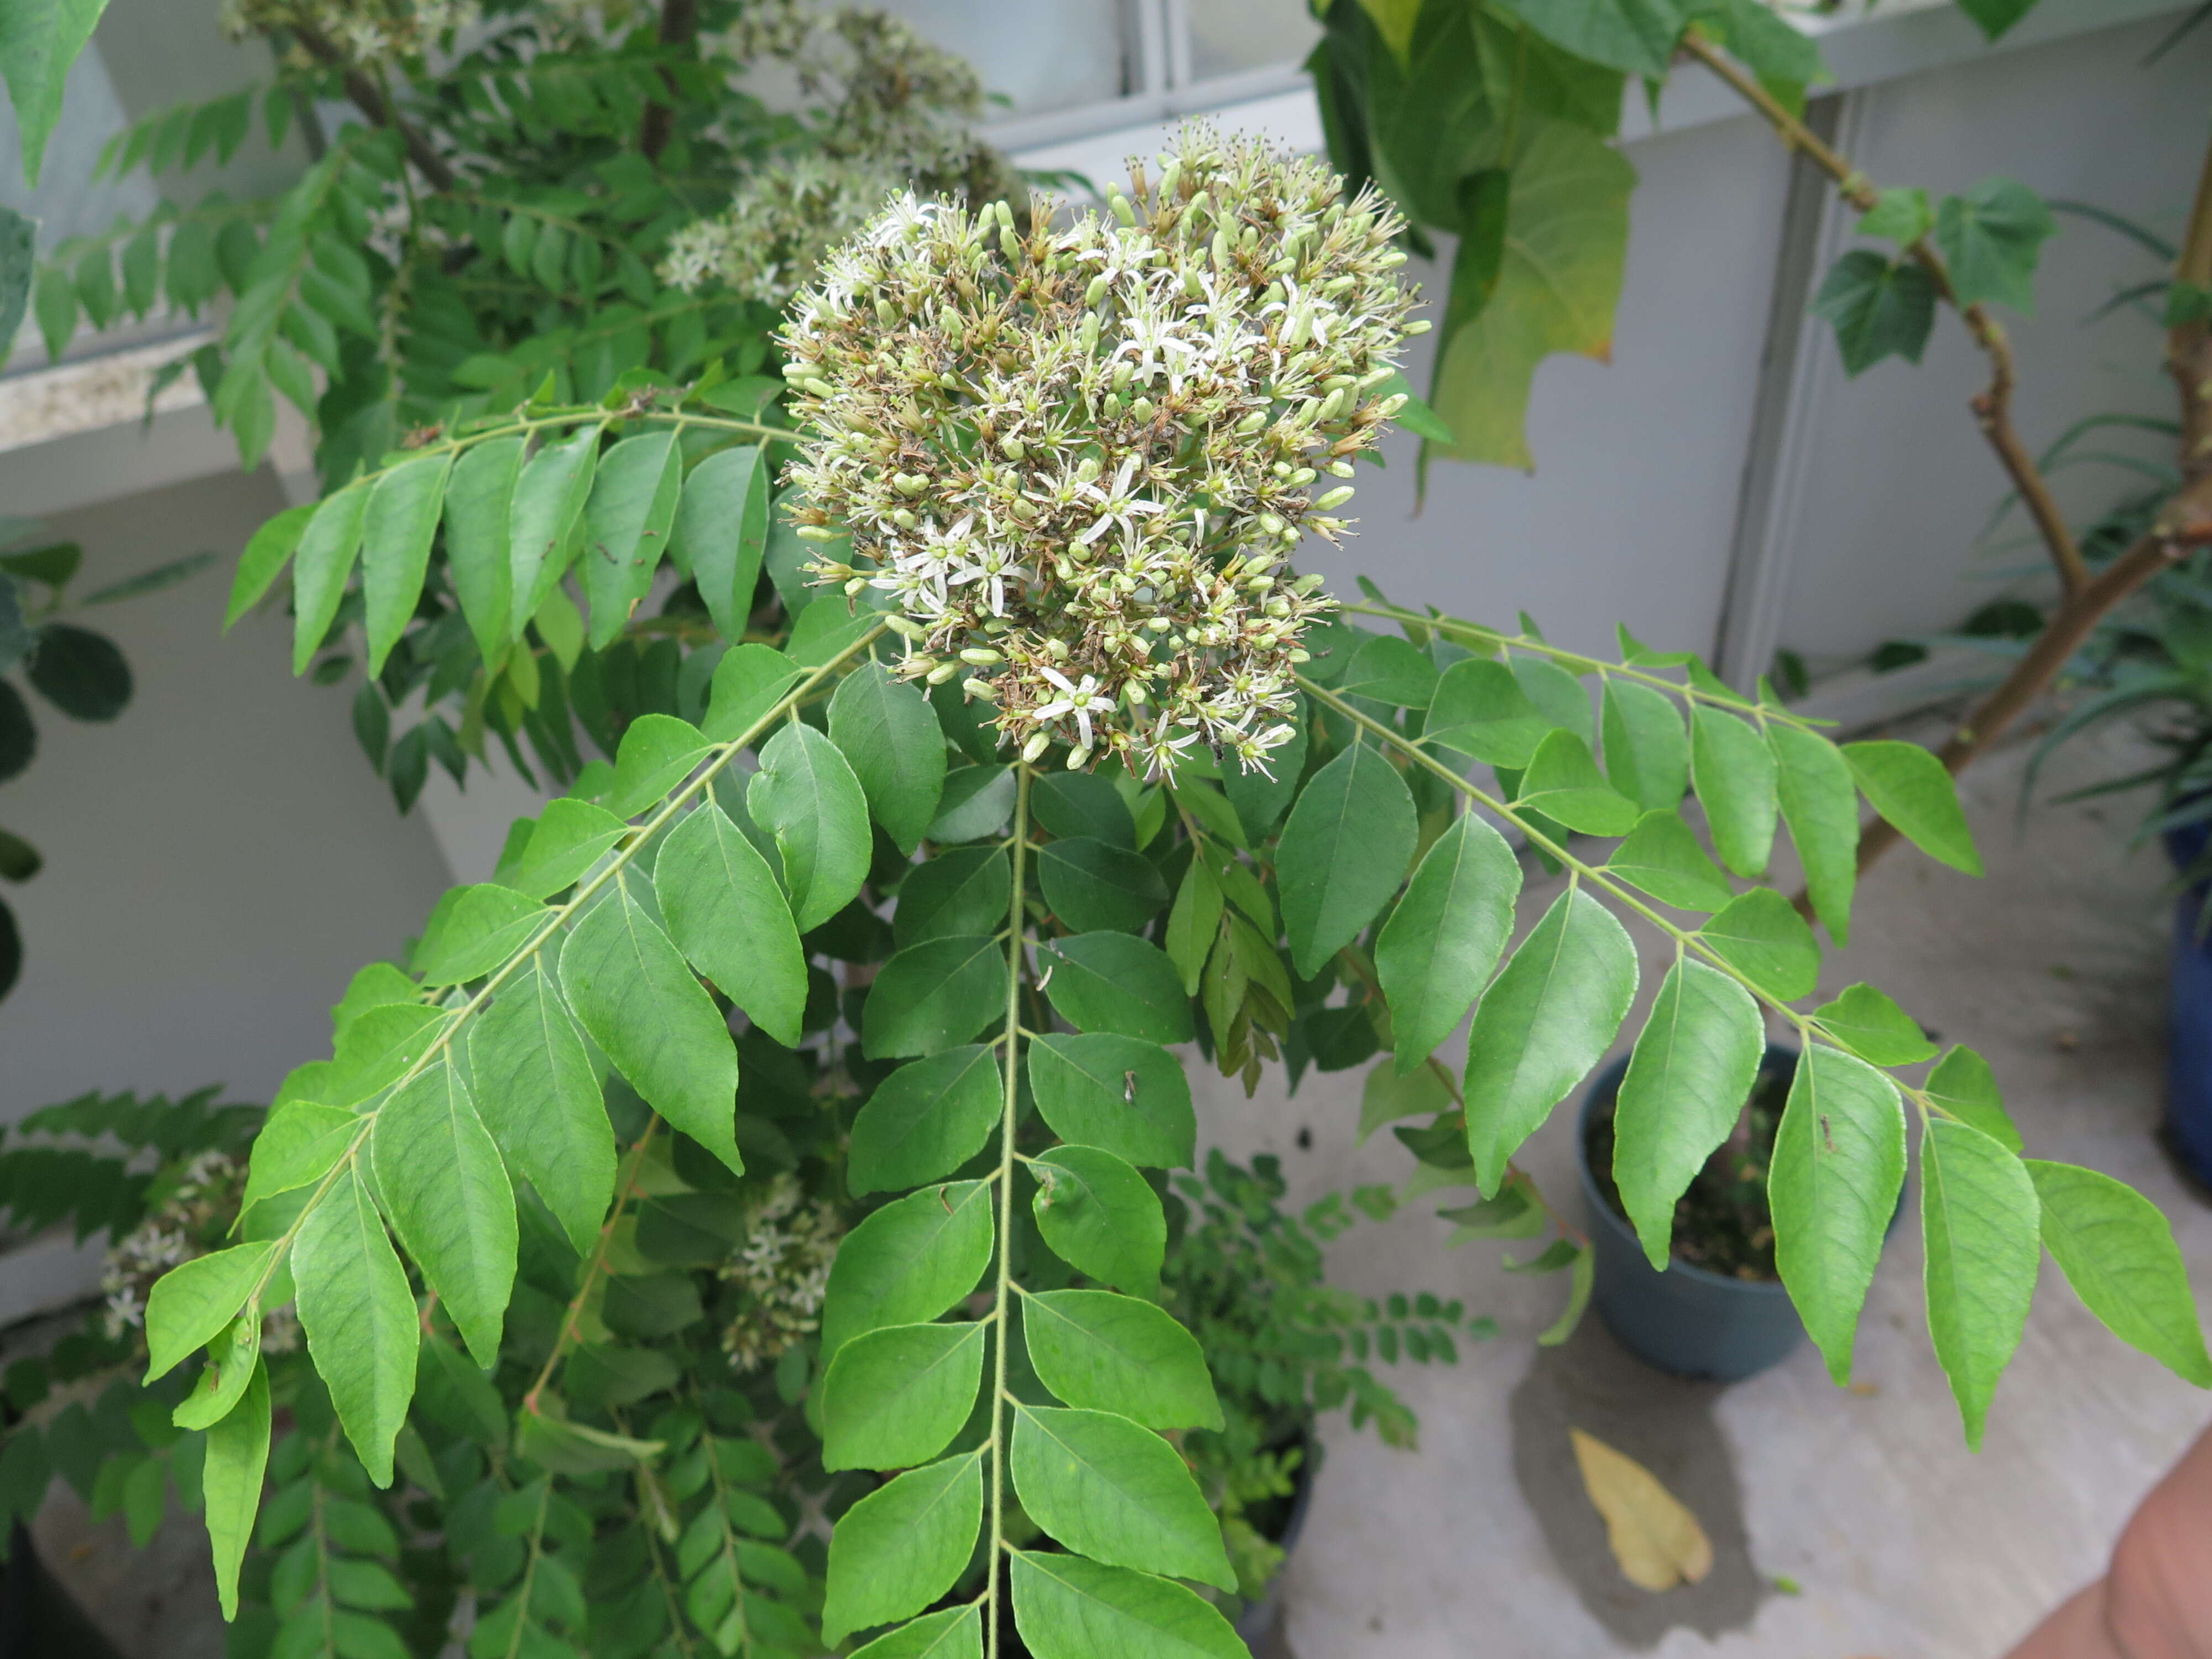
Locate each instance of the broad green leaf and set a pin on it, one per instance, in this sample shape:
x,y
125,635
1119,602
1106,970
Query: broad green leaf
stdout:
x,y
258,566
1113,983
1881,308
632,990
1116,1492
479,514
549,501
1066,1607
925,1121
402,518
902,1546
1761,936
1865,1021
1107,1352
806,796
963,889
977,802
657,752
1688,1078
372,987
720,529
537,1092
2117,1252
1388,669
1100,1217
1647,752
1899,214
191,1303
726,913
1563,784
934,996
954,1633
232,1358
1734,774
1480,710
1193,923
571,836
1821,807
1638,36
627,518
1128,1097
296,1147
1563,699
889,733
907,1262
1662,857
749,681
485,926
1542,1024
1991,238
321,565
439,1176
1963,1085
1343,853
1908,786
1838,1163
1438,950
231,1480
1094,885
39,39
894,1398
1977,1219
359,1317
1082,804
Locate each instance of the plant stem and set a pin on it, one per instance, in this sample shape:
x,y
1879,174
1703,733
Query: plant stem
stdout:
x,y
625,1189
679,27
369,99
1005,1178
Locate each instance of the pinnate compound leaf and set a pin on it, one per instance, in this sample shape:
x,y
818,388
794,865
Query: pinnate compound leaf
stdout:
x,y
359,1317
1655,1540
1963,1085
902,1546
954,1633
934,996
1542,1024
1113,982
321,566
721,532
263,560
1350,834
1821,806
806,796
1126,1097
1563,783
1662,857
1979,1222
1438,950
1908,786
296,1147
1880,308
1864,1020
190,1306
1100,1217
1691,1071
889,733
726,913
401,519
1116,1492
537,1092
1067,1607
1761,936
627,518
1991,238
549,499
1838,1163
1647,752
479,515
907,1262
2117,1252
482,928
230,1483
634,995
1735,780
894,1398
925,1121
1107,1352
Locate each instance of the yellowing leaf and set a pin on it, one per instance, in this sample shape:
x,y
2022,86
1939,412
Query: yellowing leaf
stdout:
x,y
1657,1542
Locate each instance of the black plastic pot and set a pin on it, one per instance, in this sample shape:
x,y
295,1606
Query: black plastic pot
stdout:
x,y
1686,1320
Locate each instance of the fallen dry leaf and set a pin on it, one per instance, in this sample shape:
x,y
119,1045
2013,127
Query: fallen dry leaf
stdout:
x,y
1657,1542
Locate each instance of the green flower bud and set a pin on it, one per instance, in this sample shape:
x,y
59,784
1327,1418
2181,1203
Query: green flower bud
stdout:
x,y
982,656
1335,498
816,532
942,673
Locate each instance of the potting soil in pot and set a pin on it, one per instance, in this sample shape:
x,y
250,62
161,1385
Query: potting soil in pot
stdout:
x,y
1721,1223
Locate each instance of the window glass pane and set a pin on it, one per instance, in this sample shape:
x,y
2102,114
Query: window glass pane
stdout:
x,y
1042,56
1228,36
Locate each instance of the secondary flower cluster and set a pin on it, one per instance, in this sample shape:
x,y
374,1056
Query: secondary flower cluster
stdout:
x,y
1076,459
783,1267
186,1224
363,31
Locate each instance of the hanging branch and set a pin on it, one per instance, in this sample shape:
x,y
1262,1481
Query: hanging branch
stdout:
x,y
679,27
369,98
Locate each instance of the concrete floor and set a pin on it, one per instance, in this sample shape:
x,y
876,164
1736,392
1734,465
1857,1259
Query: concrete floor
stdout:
x,y
1900,1543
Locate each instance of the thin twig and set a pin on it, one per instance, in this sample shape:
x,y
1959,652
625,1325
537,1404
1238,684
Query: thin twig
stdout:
x,y
679,26
370,100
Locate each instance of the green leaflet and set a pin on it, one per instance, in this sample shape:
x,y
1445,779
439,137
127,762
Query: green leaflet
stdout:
x,y
1691,1073
933,996
232,1358
726,913
39,42
230,1483
1908,786
1991,238
977,802
259,565
1978,1217
1662,857
297,1145
1386,669
900,1547
191,1303
1865,1021
1647,752
1256,798
372,987
1116,1492
1107,1352
485,925
806,796
657,752
1343,853
1761,936
1100,1217
402,519
1821,806
634,992
359,1317
626,522
439,1174
907,1262
1066,1607
380,1046
597,1375
748,681
549,499
1127,1097
1563,783
1193,923
955,1633
1480,711
1638,36
320,567
479,513
1093,885
889,733
963,889
1438,950
1734,774
1071,803
1211,811
720,531
1542,1024
2117,1252
649,1305
571,836
1389,1095
925,1121
1113,982
894,1398
1963,1086
1838,1163
537,1092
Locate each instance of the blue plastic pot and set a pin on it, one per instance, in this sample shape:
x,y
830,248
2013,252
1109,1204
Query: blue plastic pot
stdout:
x,y
2189,1018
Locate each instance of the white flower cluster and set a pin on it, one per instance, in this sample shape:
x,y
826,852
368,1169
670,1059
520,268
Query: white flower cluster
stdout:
x,y
202,1203
1078,459
779,226
363,31
783,1267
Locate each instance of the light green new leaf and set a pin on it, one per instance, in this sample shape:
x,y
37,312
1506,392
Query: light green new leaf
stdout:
x,y
1128,1097
1481,710
482,928
925,1121
934,996
1563,784
890,734
39,39
1833,1186
191,1303
1438,950
371,987
1193,923
1963,1085
954,1633
1991,238
1734,774
439,1173
1908,786
1100,1217
378,1047
1761,936
402,519
1690,1074
2117,1252
1113,982
893,1399
1066,1607
266,550
549,501
1662,857
1979,1222
1108,1352
726,913
1343,853
900,1547
1865,1021
806,795
231,1359
632,990
230,1483
720,531
1116,1492
479,516
359,1317
320,568
537,1092
907,1262
626,522
1542,1024
1647,752
1821,806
